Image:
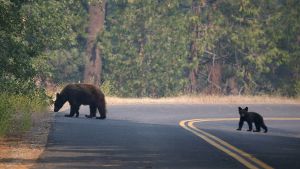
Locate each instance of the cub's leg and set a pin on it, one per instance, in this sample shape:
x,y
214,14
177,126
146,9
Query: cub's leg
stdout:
x,y
257,126
264,127
241,123
250,126
102,112
93,110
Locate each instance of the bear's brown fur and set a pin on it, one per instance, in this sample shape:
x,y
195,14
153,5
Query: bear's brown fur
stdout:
x,y
81,94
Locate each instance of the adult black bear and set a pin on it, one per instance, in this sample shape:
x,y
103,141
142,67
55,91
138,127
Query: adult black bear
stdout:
x,y
251,117
81,94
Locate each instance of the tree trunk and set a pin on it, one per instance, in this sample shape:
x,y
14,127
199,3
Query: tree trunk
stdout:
x,y
192,88
196,32
93,65
215,78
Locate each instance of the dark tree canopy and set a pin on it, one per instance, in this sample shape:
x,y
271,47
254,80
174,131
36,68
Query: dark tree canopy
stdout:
x,y
157,48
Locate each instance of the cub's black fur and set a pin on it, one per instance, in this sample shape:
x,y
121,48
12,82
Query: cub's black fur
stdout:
x,y
251,117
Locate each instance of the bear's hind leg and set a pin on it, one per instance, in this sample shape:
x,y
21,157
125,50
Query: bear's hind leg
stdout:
x,y
250,126
257,126
264,127
102,112
258,123
93,110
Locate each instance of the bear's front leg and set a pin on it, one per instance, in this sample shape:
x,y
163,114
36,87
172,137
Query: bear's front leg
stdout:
x,y
71,113
101,117
241,123
74,109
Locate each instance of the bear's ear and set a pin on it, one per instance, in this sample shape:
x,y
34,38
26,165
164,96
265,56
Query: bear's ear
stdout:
x,y
246,108
240,108
57,95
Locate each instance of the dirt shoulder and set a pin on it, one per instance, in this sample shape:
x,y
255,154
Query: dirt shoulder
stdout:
x,y
22,151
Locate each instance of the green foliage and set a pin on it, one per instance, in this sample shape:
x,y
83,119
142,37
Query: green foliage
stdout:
x,y
60,66
63,61
18,100
147,46
16,110
108,88
150,47
138,50
155,48
30,27
49,23
297,88
29,30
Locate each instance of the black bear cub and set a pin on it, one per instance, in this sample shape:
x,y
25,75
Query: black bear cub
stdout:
x,y
251,117
81,94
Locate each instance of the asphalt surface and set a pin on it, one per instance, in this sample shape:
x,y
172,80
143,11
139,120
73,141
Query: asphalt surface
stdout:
x,y
149,136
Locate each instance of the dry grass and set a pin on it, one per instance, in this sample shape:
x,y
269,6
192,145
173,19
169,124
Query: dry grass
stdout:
x,y
21,152
205,100
19,156
199,99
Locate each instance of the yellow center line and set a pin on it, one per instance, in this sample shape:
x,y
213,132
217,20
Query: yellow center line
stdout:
x,y
229,146
238,154
218,146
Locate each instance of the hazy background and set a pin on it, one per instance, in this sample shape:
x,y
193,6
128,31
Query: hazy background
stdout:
x,y
152,48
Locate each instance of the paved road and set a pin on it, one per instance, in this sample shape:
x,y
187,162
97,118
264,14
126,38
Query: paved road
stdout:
x,y
149,136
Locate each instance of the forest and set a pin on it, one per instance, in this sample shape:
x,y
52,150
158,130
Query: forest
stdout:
x,y
152,48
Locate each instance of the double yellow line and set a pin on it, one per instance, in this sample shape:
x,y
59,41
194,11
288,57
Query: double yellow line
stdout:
x,y
246,159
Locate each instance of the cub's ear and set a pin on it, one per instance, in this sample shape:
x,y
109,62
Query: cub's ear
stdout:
x,y
246,108
240,108
57,95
